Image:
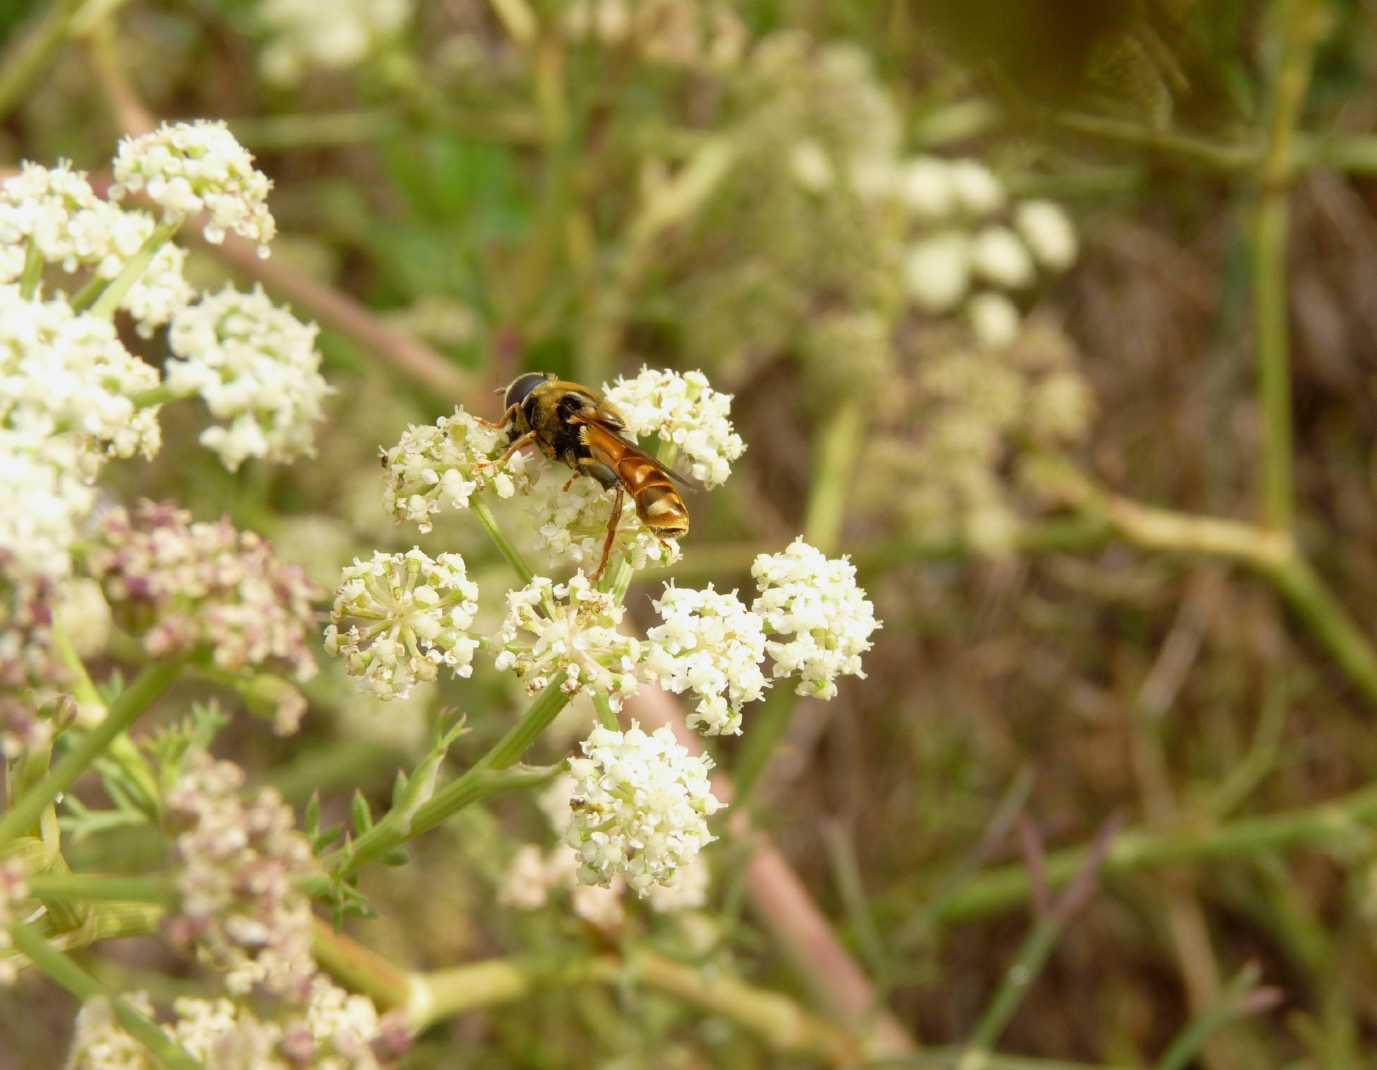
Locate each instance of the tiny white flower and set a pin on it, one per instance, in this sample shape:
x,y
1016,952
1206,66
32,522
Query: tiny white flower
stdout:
x,y
685,412
999,257
305,34
1049,233
994,319
926,188
398,617
976,190
257,368
711,644
46,499
818,618
937,270
198,167
640,805
571,631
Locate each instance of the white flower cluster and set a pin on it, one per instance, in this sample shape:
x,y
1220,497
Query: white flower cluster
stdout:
x,y
568,631
257,368
66,372
305,34
640,807
820,621
712,645
683,411
564,521
692,34
398,617
334,1030
47,498
442,465
240,864
194,167
13,888
971,248
54,214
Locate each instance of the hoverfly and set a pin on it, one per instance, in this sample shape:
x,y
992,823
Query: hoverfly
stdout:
x,y
574,425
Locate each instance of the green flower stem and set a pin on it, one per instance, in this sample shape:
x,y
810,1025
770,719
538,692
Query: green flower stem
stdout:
x,y
363,970
1006,887
480,509
1271,222
87,887
491,774
159,395
112,294
1192,1039
607,716
81,984
769,724
132,703
33,271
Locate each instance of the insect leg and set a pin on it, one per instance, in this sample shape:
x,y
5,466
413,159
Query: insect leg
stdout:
x,y
524,440
502,424
611,532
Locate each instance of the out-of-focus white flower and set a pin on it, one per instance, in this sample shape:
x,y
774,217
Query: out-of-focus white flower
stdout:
x,y
306,34
926,189
398,617
571,524
99,1042
13,888
683,411
570,631
1049,233
55,211
712,645
442,465
999,257
688,890
198,167
63,372
811,168
1061,407
820,621
527,883
994,319
975,188
640,804
240,865
937,270
256,367
46,498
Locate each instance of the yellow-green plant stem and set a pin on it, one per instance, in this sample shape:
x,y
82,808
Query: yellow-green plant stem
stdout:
x,y
24,63
89,887
1269,239
132,703
33,271
1006,887
607,716
480,509
111,296
81,984
491,774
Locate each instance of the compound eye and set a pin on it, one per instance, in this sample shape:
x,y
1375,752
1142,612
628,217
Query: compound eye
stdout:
x,y
521,388
569,405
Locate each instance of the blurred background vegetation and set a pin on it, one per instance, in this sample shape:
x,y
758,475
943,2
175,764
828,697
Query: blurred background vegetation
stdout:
x,y
469,188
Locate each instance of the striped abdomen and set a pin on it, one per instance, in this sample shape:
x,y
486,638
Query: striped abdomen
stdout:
x,y
658,503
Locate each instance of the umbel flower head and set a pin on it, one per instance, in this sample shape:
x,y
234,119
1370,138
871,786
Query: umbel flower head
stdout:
x,y
198,167
568,630
818,619
712,645
239,865
47,496
63,372
333,1030
398,617
258,370
683,411
54,212
442,465
641,804
192,586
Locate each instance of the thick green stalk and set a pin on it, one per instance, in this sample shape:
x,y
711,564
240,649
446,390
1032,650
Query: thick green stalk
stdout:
x,y
111,296
1009,886
132,703
87,887
85,987
1270,225
480,509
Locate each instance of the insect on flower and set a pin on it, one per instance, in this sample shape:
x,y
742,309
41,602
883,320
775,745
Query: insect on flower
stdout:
x,y
574,425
